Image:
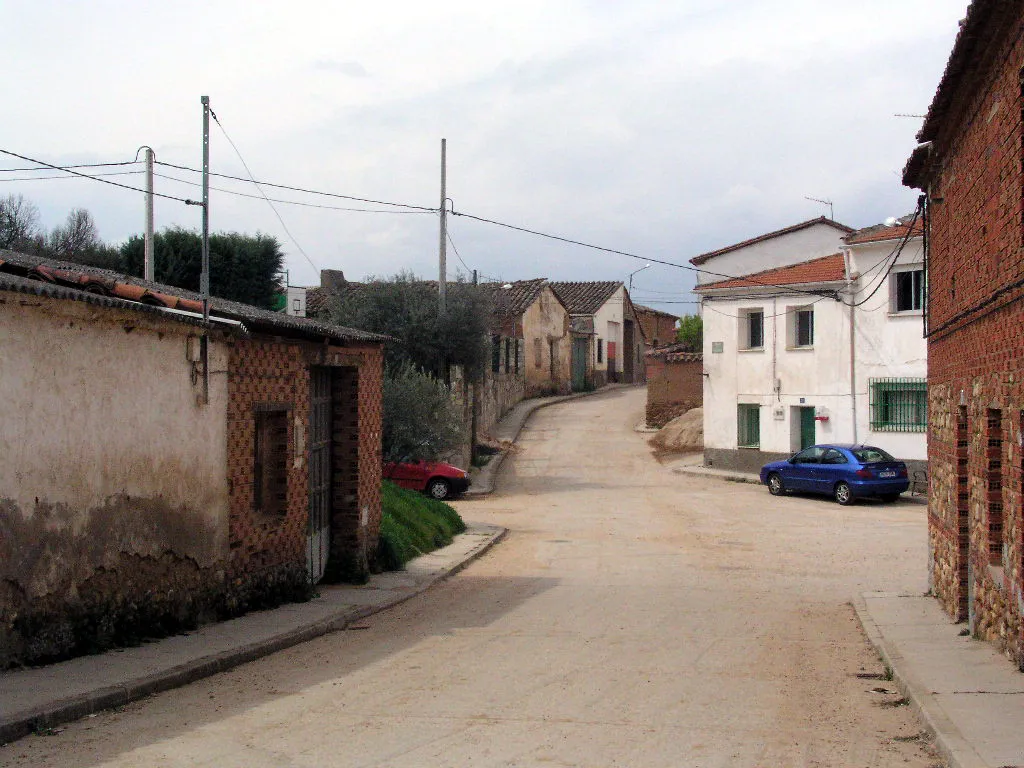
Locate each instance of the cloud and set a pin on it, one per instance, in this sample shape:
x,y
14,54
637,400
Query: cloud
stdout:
x,y
350,68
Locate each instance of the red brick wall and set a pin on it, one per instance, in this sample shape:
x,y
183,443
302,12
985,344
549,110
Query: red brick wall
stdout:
x,y
976,349
672,389
267,550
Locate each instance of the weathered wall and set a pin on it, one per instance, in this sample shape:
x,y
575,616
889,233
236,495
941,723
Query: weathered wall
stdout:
x,y
113,487
659,329
499,392
975,355
545,329
673,387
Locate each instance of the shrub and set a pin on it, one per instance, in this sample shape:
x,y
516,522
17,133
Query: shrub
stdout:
x,y
413,524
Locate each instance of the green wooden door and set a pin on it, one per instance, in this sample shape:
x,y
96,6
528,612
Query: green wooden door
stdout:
x,y
806,428
580,350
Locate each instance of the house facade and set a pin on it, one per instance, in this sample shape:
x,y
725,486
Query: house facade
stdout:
x,y
969,167
659,328
162,470
817,351
608,343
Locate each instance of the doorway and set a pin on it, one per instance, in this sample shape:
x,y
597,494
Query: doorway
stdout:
x,y
802,427
318,533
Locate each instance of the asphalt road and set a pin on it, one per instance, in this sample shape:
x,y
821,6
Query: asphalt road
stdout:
x,y
633,617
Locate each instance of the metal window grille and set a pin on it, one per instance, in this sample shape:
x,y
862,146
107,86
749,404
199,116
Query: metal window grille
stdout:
x,y
899,405
748,423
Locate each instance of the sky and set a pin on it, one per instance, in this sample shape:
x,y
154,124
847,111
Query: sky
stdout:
x,y
661,129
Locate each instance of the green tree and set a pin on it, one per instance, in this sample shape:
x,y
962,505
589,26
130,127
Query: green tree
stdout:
x,y
691,332
406,309
242,267
421,421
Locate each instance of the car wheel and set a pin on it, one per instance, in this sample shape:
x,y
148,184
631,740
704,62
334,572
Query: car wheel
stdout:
x,y
843,494
438,489
775,486
890,497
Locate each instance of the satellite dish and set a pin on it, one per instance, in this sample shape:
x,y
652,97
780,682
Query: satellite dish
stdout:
x,y
892,221
506,286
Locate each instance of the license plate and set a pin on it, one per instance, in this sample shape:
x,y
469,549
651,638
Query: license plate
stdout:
x,y
887,474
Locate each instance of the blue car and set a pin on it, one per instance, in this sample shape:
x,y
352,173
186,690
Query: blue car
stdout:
x,y
844,472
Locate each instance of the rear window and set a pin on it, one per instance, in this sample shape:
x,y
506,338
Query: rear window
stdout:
x,y
868,455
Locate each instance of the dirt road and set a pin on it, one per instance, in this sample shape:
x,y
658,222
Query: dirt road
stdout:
x,y
633,617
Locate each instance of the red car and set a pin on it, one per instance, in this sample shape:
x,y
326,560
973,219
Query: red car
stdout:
x,y
434,478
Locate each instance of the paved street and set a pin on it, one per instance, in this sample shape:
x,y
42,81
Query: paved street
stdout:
x,y
632,617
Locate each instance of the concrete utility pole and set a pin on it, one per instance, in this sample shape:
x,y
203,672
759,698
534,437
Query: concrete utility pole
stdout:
x,y
442,280
149,266
204,276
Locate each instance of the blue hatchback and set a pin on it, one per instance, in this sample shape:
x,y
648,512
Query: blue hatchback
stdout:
x,y
844,472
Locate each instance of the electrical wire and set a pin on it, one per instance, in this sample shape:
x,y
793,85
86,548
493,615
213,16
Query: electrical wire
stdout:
x,y
79,165
258,187
449,236
303,189
707,305
69,176
895,257
68,169
278,200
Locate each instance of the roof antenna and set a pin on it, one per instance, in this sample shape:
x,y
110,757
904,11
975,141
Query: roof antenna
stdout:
x,y
831,212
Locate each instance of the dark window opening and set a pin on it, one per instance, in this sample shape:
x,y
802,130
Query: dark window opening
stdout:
x,y
994,461
909,290
755,330
804,330
496,354
270,476
600,351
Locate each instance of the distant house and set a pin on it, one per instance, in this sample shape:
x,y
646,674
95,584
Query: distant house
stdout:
x,y
969,167
659,327
160,469
607,339
827,349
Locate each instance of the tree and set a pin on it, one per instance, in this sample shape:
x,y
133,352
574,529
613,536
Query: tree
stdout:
x,y
77,237
421,421
691,332
406,309
242,267
19,223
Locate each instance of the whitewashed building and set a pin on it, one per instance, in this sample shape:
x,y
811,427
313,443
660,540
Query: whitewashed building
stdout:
x,y
822,349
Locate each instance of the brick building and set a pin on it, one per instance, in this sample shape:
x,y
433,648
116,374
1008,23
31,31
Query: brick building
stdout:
x,y
675,383
659,328
161,470
969,166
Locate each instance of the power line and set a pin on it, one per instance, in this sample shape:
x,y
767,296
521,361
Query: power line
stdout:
x,y
285,202
457,254
895,255
68,169
303,189
648,259
79,165
258,187
69,176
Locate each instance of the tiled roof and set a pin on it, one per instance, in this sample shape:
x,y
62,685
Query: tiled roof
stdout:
x,y
640,308
137,293
515,300
698,260
827,269
676,353
881,232
585,298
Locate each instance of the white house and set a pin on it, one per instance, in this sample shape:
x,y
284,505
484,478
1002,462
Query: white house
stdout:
x,y
821,349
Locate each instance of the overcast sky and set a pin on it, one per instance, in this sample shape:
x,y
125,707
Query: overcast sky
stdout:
x,y
664,129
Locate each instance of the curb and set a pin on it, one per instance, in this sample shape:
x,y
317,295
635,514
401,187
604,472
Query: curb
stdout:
x,y
21,724
717,475
950,743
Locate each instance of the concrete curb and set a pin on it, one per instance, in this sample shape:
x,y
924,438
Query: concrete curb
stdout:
x,y
718,474
954,749
18,724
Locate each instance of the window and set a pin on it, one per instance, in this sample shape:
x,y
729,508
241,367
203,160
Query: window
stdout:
x,y
600,351
508,355
270,468
899,405
516,352
538,354
496,354
812,455
752,329
832,456
908,290
748,420
800,328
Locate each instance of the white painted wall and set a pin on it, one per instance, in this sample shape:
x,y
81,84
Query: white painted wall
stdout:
x,y
608,327
296,298
887,344
802,245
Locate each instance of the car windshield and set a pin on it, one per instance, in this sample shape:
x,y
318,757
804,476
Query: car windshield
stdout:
x,y
868,455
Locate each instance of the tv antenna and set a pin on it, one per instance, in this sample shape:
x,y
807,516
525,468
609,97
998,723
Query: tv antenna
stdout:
x,y
831,212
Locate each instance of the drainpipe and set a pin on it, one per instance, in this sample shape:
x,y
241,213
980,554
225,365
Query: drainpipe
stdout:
x,y
853,356
775,331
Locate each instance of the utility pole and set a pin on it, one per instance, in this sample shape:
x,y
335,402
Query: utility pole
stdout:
x,y
442,280
204,276
149,267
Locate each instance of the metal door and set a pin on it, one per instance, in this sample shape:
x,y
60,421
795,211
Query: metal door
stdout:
x,y
806,428
318,537
580,350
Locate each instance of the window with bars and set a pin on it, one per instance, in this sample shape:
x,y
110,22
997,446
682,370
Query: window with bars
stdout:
x,y
899,405
748,426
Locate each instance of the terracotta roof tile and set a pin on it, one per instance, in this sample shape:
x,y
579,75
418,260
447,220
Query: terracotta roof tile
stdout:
x,y
881,232
698,260
827,269
585,298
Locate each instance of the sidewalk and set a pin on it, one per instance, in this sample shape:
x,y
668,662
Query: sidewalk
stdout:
x,y
508,429
967,694
43,697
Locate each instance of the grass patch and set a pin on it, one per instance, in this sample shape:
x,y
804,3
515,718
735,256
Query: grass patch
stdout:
x,y
413,524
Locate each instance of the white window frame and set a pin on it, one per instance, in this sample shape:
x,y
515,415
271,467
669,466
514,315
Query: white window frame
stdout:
x,y
745,318
918,299
793,340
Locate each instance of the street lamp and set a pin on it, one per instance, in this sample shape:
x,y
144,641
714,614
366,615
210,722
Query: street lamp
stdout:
x,y
645,266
